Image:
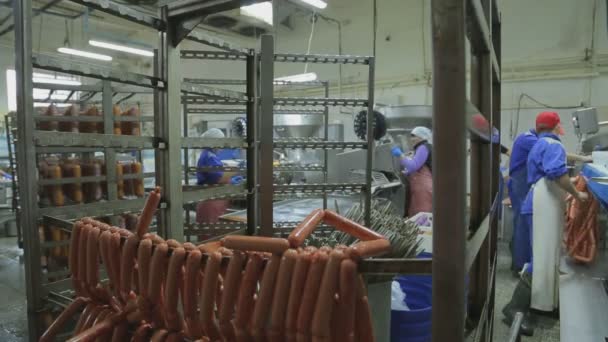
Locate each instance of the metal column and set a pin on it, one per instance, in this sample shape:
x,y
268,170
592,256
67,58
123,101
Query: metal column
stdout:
x,y
26,158
252,148
169,165
326,137
109,153
266,190
370,142
449,171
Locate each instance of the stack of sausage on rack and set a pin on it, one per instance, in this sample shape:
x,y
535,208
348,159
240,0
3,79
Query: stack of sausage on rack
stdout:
x,y
581,234
241,288
120,127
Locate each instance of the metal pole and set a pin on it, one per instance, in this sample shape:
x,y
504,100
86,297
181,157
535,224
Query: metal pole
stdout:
x,y
26,159
170,164
252,205
109,153
370,141
186,162
265,134
326,135
449,171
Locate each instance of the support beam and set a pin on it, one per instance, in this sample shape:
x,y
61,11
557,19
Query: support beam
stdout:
x,y
449,171
252,148
266,189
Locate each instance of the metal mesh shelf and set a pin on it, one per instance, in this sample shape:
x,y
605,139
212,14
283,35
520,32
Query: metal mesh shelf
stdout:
x,y
215,42
107,208
323,59
195,142
88,179
190,99
318,188
123,11
298,168
213,55
215,111
65,139
197,194
200,89
315,144
319,101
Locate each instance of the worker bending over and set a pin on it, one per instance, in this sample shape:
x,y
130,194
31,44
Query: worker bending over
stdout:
x,y
543,209
210,211
418,170
521,248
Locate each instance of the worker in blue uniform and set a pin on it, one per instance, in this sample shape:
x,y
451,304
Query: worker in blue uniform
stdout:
x,y
543,211
210,211
518,187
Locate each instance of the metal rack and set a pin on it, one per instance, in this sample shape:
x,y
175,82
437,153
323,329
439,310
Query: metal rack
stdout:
x,y
174,24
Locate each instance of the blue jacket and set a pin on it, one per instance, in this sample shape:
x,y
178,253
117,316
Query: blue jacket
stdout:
x,y
521,148
547,159
208,159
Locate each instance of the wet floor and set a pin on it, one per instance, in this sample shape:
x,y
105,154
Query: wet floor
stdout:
x,y
13,313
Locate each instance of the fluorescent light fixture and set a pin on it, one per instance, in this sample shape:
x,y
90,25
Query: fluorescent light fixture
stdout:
x,y
261,11
122,48
11,89
307,77
85,54
316,3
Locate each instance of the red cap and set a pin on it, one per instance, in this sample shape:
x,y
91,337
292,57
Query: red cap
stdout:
x,y
548,120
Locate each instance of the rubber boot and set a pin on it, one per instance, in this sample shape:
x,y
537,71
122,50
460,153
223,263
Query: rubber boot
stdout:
x,y
520,302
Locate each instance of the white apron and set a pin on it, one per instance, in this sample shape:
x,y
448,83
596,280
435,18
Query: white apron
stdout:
x,y
547,227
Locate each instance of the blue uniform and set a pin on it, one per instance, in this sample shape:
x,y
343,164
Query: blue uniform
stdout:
x,y
208,159
518,189
229,153
547,159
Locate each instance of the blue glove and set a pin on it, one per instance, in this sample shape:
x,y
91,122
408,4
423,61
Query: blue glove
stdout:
x,y
235,180
396,151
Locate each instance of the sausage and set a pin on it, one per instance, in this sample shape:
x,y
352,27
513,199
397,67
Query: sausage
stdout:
x,y
115,260
175,336
210,247
82,264
142,333
366,249
120,183
100,329
159,335
57,325
95,311
364,330
93,259
127,264
91,190
69,126
57,197
263,304
256,243
105,249
245,302
144,255
75,256
117,112
281,295
207,301
192,281
305,228
345,311
83,317
298,280
120,333
321,322
311,292
229,297
350,227
138,183
148,213
158,268
174,320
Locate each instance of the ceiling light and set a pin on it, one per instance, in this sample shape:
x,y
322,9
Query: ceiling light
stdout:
x,y
307,77
316,3
261,11
122,48
85,54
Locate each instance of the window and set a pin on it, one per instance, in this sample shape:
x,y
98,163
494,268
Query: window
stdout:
x,y
40,94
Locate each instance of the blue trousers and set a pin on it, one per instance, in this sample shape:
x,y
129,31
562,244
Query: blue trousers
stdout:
x,y
521,249
526,225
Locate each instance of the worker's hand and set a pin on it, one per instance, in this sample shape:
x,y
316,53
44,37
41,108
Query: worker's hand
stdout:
x,y
396,151
582,196
235,180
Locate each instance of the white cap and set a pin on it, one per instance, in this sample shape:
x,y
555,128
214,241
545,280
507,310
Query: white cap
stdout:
x,y
213,133
423,133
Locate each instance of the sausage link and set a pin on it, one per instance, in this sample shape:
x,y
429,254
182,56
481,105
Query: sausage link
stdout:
x,y
82,264
256,243
148,213
159,335
83,317
158,268
175,336
230,293
281,295
246,302
120,333
144,255
207,300
350,227
174,320
298,280
142,333
305,228
93,259
210,247
115,259
91,333
75,257
263,304
311,292
364,330
366,249
126,266
92,317
192,281
345,312
321,322
57,325
104,248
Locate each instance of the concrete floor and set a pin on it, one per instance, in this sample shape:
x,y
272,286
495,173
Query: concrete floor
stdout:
x,y
13,318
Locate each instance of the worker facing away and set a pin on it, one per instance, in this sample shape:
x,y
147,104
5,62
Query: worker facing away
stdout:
x,y
543,210
418,170
518,187
210,211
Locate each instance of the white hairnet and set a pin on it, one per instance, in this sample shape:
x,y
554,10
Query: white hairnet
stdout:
x,y
213,133
423,133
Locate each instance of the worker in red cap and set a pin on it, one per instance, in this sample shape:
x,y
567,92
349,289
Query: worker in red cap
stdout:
x,y
543,211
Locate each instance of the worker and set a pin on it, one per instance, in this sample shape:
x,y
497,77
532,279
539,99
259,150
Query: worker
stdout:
x,y
418,170
521,248
543,210
210,211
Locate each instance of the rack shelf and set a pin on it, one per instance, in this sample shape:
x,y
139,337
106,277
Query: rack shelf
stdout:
x,y
322,59
213,55
215,42
319,188
200,89
320,101
315,144
66,139
191,99
198,193
107,208
193,142
123,11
